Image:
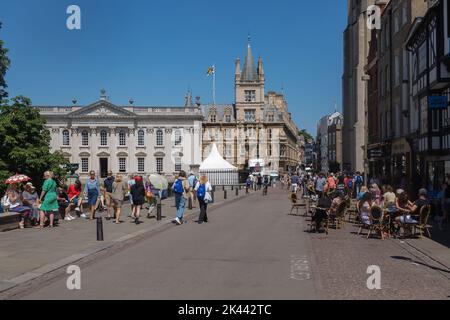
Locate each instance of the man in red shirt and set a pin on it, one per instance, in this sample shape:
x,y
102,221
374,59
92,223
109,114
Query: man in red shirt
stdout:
x,y
74,192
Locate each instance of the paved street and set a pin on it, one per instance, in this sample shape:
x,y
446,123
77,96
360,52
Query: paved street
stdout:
x,y
252,249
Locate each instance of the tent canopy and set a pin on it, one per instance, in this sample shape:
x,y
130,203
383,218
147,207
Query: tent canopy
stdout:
x,y
215,161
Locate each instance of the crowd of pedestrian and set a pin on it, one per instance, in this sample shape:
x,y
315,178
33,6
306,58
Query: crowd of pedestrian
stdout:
x,y
332,189
77,200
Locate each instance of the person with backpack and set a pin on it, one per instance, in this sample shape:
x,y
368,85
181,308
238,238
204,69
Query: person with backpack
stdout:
x,y
349,185
192,179
137,192
359,181
181,189
203,189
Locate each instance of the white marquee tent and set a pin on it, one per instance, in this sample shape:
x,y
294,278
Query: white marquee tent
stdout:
x,y
218,170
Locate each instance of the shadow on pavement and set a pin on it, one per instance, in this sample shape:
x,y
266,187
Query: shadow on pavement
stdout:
x,y
421,263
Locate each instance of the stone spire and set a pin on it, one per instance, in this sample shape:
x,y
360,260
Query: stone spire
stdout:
x,y
249,72
237,72
260,69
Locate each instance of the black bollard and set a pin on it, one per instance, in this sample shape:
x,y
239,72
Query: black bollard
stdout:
x,y
99,229
158,210
232,188
223,188
225,194
237,192
246,190
190,203
212,195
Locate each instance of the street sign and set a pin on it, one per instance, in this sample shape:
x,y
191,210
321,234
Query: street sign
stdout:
x,y
375,153
437,102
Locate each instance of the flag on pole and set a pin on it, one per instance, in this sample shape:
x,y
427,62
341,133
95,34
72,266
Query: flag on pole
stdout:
x,y
211,70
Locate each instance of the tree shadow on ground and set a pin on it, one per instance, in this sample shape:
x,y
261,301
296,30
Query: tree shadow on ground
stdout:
x,y
421,263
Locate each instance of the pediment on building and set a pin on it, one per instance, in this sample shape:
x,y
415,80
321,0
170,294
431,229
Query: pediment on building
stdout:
x,y
103,154
102,109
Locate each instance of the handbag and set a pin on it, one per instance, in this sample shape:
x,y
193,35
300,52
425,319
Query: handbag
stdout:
x,y
208,198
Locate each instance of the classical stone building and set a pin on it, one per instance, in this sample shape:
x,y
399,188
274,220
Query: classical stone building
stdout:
x,y
256,128
126,139
356,47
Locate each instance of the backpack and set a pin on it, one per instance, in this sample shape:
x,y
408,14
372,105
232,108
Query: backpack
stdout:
x,y
350,184
201,192
178,186
195,182
359,180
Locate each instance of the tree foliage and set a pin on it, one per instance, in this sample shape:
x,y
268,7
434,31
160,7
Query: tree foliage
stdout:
x,y
305,134
4,65
25,143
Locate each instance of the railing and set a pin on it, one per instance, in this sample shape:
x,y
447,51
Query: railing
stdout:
x,y
221,177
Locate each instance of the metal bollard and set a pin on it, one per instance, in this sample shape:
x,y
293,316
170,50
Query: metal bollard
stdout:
x,y
232,188
237,192
190,203
225,194
212,195
100,229
158,210
223,188
246,190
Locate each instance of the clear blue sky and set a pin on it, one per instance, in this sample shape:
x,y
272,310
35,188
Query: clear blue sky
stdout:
x,y
153,51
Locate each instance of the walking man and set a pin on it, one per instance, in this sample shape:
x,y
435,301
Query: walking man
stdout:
x,y
108,185
359,181
181,189
192,179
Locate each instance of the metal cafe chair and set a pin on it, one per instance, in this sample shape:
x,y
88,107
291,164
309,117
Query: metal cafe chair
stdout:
x,y
378,222
423,221
294,203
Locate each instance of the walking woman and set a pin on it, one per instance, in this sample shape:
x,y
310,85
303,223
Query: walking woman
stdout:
x,y
119,190
137,192
48,200
92,191
202,188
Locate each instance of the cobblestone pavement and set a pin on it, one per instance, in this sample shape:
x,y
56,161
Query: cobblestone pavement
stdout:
x,y
254,249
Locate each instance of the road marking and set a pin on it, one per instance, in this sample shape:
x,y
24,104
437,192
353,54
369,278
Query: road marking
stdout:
x,y
300,268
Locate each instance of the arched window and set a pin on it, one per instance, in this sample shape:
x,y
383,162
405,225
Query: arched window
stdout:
x,y
122,138
141,139
178,137
103,138
66,138
84,138
159,138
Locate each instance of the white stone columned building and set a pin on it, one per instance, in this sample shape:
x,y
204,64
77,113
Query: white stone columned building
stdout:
x,y
126,139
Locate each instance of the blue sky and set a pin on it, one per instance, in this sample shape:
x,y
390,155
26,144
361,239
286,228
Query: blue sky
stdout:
x,y
154,50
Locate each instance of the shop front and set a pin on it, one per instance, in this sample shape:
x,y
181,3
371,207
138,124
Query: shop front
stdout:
x,y
379,162
401,164
437,168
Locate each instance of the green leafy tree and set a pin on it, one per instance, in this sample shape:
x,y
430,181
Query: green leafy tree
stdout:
x,y
305,134
4,65
25,143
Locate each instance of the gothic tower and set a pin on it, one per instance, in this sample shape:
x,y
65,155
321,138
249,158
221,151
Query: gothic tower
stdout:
x,y
249,88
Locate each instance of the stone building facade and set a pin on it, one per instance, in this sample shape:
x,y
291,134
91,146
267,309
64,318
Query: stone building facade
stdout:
x,y
126,139
257,127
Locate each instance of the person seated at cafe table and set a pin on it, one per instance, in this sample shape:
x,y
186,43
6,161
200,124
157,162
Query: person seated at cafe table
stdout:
x,y
403,204
389,200
364,208
337,197
414,209
323,205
